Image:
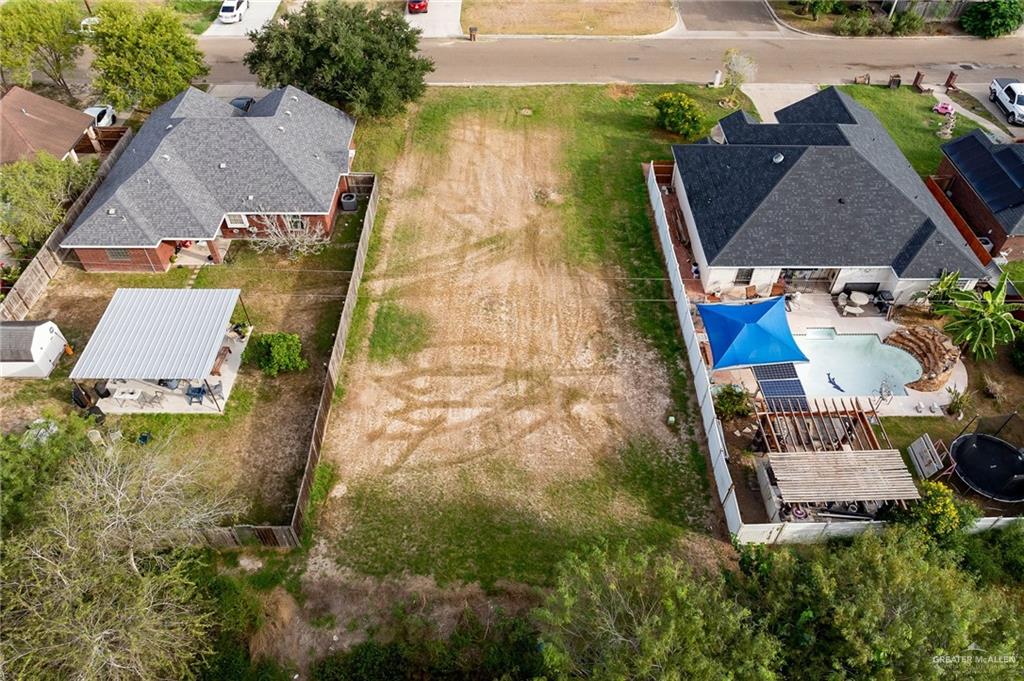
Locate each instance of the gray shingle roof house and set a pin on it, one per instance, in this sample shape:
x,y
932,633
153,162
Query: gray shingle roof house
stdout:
x,y
198,159
987,185
824,192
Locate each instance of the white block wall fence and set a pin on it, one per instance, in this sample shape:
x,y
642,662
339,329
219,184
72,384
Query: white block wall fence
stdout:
x,y
746,533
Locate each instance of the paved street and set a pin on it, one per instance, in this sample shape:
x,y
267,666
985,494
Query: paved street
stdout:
x,y
800,60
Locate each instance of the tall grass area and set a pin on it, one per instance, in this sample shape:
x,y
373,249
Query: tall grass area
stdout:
x,y
197,15
909,118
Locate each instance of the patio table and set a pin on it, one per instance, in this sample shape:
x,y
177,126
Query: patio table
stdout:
x,y
121,396
859,298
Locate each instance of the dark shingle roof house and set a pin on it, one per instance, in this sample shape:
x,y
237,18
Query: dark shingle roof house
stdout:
x,y
30,123
826,187
995,173
197,159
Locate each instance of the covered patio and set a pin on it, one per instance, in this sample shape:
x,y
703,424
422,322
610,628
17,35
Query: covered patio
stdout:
x,y
164,351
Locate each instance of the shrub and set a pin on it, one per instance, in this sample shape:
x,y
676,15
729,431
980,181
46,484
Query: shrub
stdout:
x,y
733,401
274,353
679,113
939,514
993,18
997,556
368,661
907,23
881,25
855,24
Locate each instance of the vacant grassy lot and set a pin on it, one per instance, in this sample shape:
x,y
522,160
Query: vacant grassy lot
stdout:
x,y
909,118
196,14
506,403
576,17
258,447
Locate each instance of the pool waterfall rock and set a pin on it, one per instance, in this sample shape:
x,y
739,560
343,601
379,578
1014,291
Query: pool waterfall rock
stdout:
x,y
934,350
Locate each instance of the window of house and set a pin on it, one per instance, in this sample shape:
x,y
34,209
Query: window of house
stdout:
x,y
743,276
237,220
120,254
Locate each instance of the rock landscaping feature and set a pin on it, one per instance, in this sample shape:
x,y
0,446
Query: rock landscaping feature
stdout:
x,y
933,349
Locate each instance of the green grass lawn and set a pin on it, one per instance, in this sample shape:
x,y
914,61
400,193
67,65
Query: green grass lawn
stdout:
x,y
1015,272
494,523
197,15
909,118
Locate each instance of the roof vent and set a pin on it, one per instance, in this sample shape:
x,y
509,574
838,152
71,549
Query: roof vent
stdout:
x,y
294,98
842,200
281,128
169,126
222,166
111,211
287,112
778,158
165,157
249,198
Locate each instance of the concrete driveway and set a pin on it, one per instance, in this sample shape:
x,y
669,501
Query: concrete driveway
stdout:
x,y
719,15
259,13
441,21
770,97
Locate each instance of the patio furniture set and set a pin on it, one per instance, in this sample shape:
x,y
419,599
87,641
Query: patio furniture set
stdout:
x,y
855,302
124,396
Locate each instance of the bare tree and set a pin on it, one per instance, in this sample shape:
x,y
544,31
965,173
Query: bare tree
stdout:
x,y
96,590
294,235
738,68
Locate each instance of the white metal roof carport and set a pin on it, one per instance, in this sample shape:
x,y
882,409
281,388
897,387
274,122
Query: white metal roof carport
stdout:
x,y
154,333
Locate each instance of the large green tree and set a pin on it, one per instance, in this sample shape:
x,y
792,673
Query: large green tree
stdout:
x,y
362,59
981,322
40,34
94,589
144,55
35,195
993,18
623,614
883,607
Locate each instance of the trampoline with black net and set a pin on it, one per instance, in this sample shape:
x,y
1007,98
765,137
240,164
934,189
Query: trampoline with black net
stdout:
x,y
990,459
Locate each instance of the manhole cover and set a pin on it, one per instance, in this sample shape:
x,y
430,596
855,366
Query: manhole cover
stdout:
x,y
967,67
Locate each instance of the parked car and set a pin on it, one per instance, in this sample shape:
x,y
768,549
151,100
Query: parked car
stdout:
x,y
417,6
87,24
103,115
243,103
1008,94
231,11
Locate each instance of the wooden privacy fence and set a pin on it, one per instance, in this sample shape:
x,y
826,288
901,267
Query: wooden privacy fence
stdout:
x,y
361,184
44,266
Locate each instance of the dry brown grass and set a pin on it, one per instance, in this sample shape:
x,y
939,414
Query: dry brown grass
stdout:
x,y
575,17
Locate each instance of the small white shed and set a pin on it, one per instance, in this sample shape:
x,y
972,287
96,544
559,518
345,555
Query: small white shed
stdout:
x,y
29,349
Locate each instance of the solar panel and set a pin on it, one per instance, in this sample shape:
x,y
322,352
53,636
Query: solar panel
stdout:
x,y
783,388
774,372
788,404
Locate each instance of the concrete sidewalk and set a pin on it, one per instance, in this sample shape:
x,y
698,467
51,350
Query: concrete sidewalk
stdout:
x,y
770,97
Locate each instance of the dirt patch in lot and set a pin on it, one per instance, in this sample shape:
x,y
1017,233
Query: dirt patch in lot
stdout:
x,y
528,359
573,17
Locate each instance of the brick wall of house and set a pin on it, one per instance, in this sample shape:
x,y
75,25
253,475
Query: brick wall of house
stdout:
x,y
139,259
323,221
970,205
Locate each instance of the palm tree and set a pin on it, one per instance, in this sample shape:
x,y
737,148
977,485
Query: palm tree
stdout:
x,y
981,323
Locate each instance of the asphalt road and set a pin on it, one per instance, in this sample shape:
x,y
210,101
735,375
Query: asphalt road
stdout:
x,y
783,60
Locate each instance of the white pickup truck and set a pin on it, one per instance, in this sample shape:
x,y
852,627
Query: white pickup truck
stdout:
x,y
1008,94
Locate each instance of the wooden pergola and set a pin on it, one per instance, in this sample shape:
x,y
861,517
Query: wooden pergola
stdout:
x,y
843,476
826,450
818,425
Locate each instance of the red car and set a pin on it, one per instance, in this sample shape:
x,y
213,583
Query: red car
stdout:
x,y
417,6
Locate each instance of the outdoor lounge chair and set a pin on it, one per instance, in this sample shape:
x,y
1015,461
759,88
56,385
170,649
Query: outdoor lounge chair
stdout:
x,y
852,309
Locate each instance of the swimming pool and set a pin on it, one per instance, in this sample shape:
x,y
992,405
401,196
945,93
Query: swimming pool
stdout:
x,y
856,363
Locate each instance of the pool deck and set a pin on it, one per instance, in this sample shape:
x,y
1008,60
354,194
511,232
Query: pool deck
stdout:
x,y
817,311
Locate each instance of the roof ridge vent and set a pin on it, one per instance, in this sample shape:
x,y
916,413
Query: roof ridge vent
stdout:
x,y
778,158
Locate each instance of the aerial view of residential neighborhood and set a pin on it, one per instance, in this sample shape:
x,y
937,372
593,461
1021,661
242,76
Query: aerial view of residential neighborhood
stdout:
x,y
511,340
